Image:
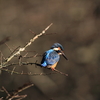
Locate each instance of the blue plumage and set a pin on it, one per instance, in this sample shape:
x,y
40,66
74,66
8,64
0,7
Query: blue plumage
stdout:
x,y
52,56
56,45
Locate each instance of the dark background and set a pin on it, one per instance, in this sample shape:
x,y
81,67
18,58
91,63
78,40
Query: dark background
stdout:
x,y
77,27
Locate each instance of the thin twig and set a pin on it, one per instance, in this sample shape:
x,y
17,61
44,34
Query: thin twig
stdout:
x,y
18,96
13,70
32,32
25,55
60,72
15,94
23,88
21,63
36,55
9,47
6,91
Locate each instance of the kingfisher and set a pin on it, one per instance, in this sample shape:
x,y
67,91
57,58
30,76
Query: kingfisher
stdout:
x,y
52,56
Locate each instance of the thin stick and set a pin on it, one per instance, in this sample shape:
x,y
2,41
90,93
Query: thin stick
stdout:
x,y
19,97
32,32
13,70
6,91
15,93
60,72
9,47
24,88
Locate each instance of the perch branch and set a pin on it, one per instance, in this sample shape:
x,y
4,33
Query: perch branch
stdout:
x,y
60,72
28,73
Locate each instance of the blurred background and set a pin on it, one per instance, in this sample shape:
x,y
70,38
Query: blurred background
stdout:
x,y
77,27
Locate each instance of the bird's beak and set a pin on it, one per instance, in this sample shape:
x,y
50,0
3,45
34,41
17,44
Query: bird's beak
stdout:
x,y
64,55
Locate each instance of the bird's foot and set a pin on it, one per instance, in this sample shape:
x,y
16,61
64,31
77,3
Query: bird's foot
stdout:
x,y
52,69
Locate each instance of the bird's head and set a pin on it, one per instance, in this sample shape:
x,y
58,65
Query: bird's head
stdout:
x,y
59,49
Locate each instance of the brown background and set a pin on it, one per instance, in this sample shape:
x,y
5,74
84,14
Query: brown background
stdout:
x,y
77,27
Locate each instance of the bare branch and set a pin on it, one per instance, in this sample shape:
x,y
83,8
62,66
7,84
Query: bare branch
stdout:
x,y
28,44
18,96
15,94
60,72
28,73
24,87
6,91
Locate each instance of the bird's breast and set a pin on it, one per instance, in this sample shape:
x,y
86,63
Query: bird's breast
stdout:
x,y
52,66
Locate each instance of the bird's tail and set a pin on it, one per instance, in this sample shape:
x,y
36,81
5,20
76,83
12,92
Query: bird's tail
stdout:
x,y
38,64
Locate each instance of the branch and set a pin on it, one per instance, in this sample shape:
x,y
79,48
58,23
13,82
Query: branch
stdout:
x,y
6,91
28,73
30,63
28,44
60,72
14,95
24,87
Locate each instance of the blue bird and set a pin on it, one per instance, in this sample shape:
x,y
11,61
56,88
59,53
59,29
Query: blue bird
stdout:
x,y
52,56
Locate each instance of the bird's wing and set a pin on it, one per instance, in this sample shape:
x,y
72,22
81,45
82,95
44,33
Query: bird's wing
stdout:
x,y
52,57
44,57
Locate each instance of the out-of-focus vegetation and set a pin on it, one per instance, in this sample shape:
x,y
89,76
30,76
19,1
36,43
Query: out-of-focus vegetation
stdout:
x,y
77,27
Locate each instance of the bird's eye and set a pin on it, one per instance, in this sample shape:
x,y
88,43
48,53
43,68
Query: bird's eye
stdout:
x,y
58,51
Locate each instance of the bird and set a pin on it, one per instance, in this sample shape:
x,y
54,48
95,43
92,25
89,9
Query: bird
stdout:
x,y
52,56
